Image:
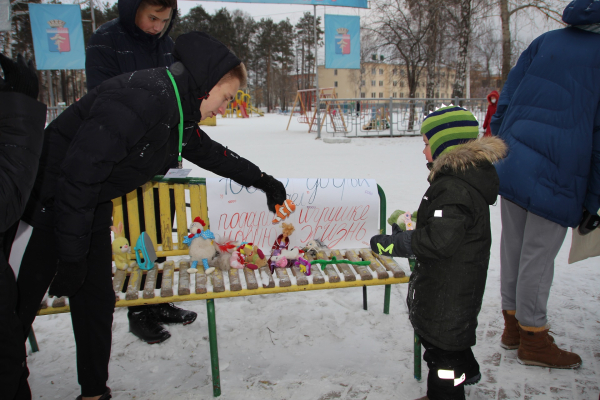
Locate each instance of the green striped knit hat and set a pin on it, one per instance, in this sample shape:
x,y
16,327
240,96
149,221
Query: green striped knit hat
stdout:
x,y
449,127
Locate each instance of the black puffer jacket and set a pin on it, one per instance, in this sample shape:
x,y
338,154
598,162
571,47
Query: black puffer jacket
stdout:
x,y
120,135
452,244
119,46
22,122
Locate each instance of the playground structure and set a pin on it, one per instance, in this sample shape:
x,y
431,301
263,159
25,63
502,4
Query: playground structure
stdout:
x,y
380,120
242,107
307,101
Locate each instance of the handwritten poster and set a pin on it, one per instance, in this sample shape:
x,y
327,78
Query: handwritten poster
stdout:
x,y
342,213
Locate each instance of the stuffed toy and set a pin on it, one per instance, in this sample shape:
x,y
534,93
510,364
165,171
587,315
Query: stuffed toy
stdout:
x,y
292,254
304,265
248,255
279,261
284,210
201,246
405,220
225,250
312,247
121,249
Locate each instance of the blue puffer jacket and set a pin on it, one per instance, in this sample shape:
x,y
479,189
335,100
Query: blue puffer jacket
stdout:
x,y
548,114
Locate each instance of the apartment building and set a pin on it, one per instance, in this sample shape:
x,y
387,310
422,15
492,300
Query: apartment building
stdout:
x,y
381,80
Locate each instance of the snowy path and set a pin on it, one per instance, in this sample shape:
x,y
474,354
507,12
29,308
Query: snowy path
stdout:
x,y
321,345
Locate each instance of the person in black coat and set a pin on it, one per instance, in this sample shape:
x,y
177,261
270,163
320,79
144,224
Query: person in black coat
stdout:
x,y
22,120
452,245
113,140
138,40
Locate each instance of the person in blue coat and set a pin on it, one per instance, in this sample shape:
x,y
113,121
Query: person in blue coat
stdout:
x,y
549,115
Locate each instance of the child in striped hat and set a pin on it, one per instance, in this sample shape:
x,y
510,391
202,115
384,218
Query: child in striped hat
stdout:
x,y
452,245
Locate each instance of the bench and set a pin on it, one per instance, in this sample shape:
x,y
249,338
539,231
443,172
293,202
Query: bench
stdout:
x,y
177,285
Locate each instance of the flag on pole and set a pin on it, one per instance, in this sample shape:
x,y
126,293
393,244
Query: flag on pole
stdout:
x,y
57,36
342,41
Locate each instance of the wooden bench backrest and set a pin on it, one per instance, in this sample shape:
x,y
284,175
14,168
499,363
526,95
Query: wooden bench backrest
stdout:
x,y
195,188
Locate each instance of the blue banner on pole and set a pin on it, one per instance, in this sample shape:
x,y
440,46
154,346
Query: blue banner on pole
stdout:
x,y
338,3
342,41
57,36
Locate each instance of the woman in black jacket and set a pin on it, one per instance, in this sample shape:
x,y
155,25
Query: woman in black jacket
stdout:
x,y
110,142
22,120
138,40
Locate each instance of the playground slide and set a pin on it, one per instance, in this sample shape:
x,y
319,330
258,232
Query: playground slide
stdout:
x,y
256,110
243,111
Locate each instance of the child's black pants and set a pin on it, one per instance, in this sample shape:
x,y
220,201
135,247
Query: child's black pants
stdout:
x,y
448,371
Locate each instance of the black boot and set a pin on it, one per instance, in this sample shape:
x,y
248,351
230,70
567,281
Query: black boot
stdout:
x,y
144,324
167,313
107,395
473,375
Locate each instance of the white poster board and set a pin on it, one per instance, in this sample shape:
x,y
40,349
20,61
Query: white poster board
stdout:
x,y
342,213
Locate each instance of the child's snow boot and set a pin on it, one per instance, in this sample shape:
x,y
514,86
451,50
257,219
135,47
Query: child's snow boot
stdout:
x,y
537,348
510,337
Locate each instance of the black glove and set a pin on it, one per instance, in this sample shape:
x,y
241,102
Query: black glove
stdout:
x,y
19,76
68,279
396,245
589,222
274,190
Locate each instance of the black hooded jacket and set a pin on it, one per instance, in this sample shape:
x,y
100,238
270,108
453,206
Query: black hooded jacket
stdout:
x,y
119,46
452,244
123,133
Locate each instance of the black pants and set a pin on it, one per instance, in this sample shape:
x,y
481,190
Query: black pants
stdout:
x,y
447,371
91,308
13,369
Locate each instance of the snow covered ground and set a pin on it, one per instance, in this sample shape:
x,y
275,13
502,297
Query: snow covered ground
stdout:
x,y
321,345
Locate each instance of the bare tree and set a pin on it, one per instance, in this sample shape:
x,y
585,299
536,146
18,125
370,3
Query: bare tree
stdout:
x,y
434,43
548,8
487,46
404,31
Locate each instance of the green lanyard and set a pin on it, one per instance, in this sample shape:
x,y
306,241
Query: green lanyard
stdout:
x,y
180,117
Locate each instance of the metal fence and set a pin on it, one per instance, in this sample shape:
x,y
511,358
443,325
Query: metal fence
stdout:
x,y
385,117
53,112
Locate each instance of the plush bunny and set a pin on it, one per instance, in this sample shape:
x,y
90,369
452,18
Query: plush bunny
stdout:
x,y
201,246
224,250
121,249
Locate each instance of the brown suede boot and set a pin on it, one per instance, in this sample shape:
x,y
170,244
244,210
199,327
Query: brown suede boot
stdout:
x,y
510,337
538,349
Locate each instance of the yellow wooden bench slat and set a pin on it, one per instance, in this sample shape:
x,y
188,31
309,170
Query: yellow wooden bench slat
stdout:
x,y
149,218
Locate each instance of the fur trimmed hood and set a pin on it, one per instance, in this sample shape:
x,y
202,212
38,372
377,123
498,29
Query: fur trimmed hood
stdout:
x,y
491,149
473,163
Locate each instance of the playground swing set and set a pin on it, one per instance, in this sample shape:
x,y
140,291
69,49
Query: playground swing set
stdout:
x,y
306,100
